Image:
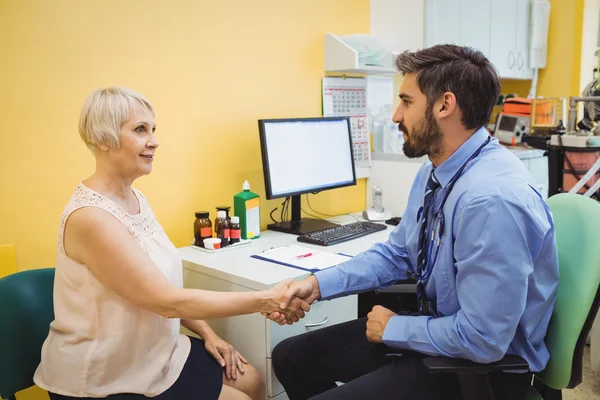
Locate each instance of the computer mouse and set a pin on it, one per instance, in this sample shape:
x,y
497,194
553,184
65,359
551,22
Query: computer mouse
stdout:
x,y
393,221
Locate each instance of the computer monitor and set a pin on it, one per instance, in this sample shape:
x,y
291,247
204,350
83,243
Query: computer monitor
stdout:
x,y
305,155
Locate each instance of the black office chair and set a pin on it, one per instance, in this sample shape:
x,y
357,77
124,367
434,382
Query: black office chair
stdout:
x,y
576,220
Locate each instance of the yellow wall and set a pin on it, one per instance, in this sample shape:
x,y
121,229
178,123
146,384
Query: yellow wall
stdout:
x,y
211,68
8,260
561,77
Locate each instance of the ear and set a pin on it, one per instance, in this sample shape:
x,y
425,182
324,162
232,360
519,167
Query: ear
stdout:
x,y
445,106
102,147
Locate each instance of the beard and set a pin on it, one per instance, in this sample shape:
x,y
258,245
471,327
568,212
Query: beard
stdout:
x,y
425,138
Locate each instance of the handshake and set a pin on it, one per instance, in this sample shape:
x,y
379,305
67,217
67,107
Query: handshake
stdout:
x,y
288,301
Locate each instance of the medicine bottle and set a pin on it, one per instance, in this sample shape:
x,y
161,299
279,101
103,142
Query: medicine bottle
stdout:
x,y
226,209
222,228
236,231
202,228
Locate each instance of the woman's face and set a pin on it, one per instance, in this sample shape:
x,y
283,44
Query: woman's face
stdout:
x,y
137,145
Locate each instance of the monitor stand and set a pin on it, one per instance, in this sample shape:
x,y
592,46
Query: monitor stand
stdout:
x,y
298,225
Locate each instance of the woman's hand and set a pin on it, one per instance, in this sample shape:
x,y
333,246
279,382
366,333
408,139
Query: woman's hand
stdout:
x,y
272,300
226,356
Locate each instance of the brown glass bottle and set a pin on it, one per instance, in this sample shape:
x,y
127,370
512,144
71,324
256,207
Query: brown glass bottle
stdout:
x,y
222,228
236,231
202,228
226,209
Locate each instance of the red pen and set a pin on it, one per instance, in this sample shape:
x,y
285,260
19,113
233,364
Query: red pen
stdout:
x,y
304,256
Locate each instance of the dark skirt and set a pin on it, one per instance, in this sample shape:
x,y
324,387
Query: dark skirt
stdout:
x,y
200,379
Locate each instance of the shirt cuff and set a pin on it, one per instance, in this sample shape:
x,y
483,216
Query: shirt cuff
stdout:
x,y
330,282
394,334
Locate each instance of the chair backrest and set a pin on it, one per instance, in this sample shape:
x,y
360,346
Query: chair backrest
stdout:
x,y
26,310
577,223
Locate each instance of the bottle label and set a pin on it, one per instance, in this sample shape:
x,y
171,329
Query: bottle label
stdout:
x,y
226,233
206,232
235,233
253,218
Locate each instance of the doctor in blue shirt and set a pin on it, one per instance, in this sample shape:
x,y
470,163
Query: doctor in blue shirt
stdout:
x,y
476,234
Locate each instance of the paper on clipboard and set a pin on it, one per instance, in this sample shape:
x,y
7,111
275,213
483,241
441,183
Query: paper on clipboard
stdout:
x,y
302,257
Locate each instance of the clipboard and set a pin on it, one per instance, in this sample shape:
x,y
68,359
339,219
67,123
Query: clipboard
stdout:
x,y
303,258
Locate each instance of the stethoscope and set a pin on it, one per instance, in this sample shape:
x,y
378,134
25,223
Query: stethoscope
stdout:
x,y
423,276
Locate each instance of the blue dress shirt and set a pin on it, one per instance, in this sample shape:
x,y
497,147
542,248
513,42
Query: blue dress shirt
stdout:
x,y
495,280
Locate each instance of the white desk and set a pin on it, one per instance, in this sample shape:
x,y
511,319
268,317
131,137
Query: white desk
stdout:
x,y
253,335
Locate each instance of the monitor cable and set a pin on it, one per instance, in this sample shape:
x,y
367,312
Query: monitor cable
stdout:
x,y
283,206
327,215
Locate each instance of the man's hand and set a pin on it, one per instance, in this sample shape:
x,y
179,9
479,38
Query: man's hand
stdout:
x,y
298,293
306,289
273,299
376,323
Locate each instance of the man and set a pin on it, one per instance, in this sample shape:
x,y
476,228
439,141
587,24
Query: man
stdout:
x,y
475,233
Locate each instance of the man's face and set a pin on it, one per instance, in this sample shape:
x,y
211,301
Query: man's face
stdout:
x,y
422,134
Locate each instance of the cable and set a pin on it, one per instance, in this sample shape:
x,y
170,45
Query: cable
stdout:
x,y
286,207
327,215
312,215
313,210
271,214
282,211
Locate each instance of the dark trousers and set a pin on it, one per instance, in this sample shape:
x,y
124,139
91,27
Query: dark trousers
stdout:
x,y
309,365
201,379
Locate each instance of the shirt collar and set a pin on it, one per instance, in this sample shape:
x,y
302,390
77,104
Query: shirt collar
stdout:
x,y
446,170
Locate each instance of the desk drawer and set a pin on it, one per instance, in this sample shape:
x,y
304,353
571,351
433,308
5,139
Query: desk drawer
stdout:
x,y
321,315
274,388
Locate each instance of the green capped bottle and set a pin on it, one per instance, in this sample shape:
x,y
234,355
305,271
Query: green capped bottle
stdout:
x,y
246,205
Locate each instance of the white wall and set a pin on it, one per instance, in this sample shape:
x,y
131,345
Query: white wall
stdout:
x,y
399,24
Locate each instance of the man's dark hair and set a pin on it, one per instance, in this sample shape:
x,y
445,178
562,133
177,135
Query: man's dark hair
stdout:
x,y
461,70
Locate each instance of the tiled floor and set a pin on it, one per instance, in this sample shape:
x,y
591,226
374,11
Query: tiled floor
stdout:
x,y
590,387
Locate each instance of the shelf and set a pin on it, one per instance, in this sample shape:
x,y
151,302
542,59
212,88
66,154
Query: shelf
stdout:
x,y
342,58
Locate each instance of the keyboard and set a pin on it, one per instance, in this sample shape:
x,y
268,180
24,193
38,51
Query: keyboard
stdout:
x,y
342,233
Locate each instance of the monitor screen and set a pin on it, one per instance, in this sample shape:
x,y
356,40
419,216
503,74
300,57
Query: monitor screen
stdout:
x,y
507,123
305,155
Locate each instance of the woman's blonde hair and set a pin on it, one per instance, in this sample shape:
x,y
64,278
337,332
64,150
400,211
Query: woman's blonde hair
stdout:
x,y
103,113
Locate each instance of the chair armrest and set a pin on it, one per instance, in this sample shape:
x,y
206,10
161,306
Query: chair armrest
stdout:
x,y
510,362
410,288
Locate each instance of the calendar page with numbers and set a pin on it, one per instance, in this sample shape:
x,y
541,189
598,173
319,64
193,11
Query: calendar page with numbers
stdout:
x,y
346,97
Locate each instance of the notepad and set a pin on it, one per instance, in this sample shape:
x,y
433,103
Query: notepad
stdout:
x,y
302,257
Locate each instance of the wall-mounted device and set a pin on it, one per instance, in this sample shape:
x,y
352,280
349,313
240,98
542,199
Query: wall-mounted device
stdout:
x,y
511,128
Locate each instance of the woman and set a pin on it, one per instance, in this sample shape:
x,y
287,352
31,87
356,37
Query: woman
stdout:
x,y
118,295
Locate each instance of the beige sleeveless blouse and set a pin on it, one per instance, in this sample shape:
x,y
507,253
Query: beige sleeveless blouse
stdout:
x,y
99,343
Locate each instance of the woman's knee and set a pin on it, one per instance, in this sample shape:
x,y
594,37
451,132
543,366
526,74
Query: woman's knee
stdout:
x,y
250,382
253,382
230,393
